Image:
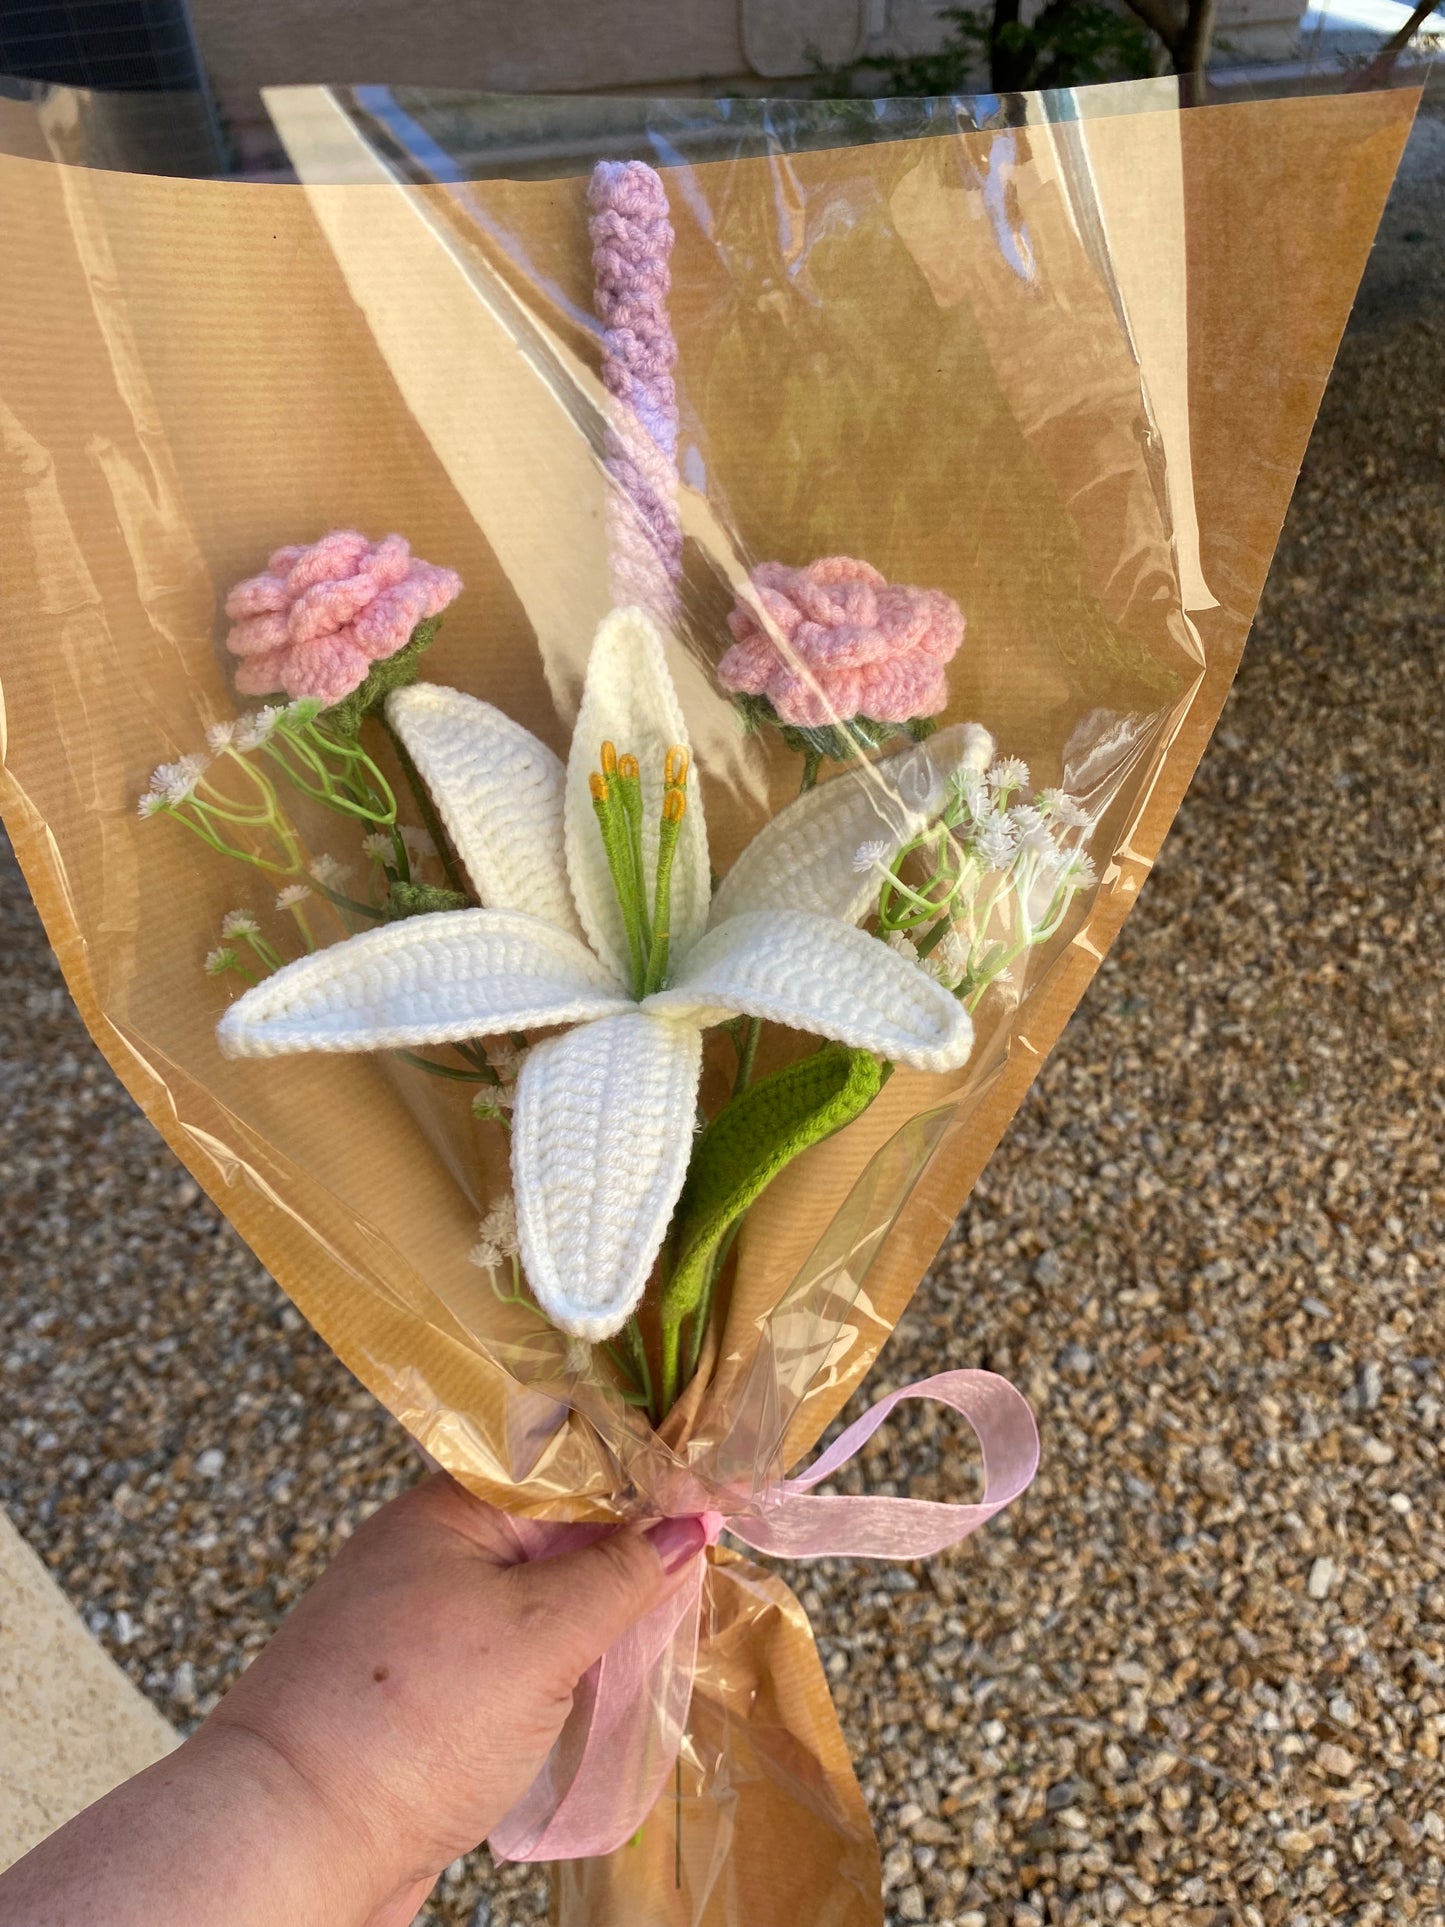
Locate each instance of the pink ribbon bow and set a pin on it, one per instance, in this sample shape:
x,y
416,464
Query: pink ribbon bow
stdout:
x,y
606,1771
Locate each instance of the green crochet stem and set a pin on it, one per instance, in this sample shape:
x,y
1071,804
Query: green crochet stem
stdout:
x,y
737,1157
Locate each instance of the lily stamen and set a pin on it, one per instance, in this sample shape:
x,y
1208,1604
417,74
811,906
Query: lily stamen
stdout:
x,y
629,790
613,825
674,808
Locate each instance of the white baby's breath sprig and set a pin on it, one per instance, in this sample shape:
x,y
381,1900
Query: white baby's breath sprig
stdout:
x,y
1067,809
249,825
1010,773
225,960
177,781
294,898
329,878
255,729
992,880
868,856
499,1227
328,871
498,1250
241,926
506,1060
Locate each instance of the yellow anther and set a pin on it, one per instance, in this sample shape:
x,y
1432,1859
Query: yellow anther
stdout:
x,y
674,772
609,759
597,783
627,768
674,806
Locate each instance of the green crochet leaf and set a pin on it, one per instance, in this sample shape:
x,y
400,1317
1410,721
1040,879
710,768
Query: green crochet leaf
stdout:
x,y
420,900
748,1143
839,742
392,672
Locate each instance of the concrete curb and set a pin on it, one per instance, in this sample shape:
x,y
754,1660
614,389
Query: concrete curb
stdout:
x,y
71,1724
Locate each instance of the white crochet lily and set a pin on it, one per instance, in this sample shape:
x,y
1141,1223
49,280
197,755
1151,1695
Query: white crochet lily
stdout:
x,y
605,1110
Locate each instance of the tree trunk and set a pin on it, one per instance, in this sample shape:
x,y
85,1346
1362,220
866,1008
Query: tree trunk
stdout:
x,y
1007,64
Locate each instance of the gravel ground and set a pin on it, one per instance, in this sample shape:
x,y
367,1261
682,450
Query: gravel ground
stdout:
x,y
1198,1676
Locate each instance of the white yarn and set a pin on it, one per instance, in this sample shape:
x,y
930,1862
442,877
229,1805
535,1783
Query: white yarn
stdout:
x,y
629,700
498,790
815,974
601,1138
428,980
803,859
602,1127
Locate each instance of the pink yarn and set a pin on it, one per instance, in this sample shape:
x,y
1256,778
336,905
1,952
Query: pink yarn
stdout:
x,y
834,641
314,623
631,244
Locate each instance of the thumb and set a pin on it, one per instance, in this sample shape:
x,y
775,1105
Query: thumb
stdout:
x,y
591,1597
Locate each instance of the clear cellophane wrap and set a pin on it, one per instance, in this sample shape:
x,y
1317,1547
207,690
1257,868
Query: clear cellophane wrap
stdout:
x,y
1063,367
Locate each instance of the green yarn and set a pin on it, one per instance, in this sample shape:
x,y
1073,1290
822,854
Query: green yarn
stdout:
x,y
840,742
740,1153
420,900
392,672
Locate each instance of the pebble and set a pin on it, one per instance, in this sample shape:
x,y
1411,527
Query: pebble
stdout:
x,y
1166,1630
1321,1578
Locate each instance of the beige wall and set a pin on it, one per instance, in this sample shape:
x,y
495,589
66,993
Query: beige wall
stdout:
x,y
525,46
540,46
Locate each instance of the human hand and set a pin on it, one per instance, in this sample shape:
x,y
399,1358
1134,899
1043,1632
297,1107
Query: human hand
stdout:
x,y
404,1706
420,1685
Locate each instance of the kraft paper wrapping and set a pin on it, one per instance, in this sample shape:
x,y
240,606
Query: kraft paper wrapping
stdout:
x,y
919,352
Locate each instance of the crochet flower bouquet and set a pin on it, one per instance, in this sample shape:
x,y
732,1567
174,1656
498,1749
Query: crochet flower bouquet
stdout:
x,y
590,964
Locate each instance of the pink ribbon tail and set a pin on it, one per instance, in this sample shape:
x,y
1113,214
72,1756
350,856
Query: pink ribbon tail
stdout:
x,y
605,1773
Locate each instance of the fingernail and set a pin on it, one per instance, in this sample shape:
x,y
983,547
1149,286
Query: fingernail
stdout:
x,y
675,1541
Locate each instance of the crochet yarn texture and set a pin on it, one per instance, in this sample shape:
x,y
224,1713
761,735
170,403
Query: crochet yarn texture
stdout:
x,y
321,614
632,241
835,641
603,1121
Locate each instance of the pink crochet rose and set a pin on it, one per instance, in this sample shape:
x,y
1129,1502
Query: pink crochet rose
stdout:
x,y
321,615
851,644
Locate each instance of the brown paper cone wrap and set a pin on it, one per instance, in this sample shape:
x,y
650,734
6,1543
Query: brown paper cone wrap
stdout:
x,y
196,372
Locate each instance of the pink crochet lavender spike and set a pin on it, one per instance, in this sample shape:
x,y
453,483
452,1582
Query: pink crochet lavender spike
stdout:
x,y
632,241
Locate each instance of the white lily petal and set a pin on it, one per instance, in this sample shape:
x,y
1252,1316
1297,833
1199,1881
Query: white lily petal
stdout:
x,y
601,1137
629,700
499,791
804,858
816,974
426,980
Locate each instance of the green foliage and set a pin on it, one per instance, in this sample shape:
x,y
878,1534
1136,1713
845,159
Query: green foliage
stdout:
x,y
833,742
745,1147
420,900
344,719
1070,43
